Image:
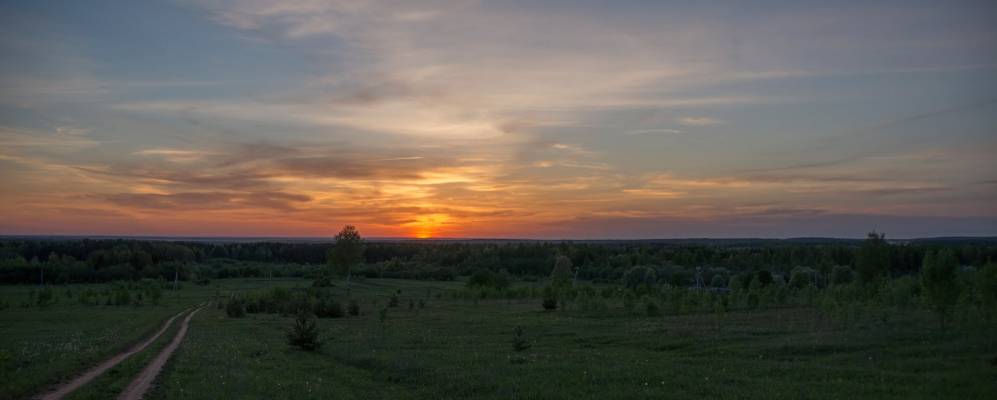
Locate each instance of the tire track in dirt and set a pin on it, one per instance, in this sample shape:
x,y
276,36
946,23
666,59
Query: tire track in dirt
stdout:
x,y
141,384
91,374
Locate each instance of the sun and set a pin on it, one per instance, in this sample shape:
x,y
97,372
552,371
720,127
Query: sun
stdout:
x,y
428,226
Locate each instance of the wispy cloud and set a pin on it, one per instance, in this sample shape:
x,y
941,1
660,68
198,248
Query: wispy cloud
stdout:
x,y
699,121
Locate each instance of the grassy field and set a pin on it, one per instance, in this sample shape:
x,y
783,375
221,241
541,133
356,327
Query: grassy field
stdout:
x,y
452,349
40,346
461,349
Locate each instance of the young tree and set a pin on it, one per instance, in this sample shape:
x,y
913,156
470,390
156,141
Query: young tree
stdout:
x,y
941,286
561,275
346,253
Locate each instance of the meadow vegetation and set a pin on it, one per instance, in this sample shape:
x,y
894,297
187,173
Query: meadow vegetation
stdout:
x,y
599,320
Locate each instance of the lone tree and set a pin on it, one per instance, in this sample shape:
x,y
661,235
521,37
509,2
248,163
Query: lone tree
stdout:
x,y
873,259
938,276
347,252
561,275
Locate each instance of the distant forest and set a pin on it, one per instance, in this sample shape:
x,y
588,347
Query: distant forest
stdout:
x,y
33,261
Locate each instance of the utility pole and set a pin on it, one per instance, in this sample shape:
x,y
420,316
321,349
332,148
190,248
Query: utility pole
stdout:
x,y
176,277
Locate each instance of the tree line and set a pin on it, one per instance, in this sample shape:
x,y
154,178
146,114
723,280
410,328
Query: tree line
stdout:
x,y
674,262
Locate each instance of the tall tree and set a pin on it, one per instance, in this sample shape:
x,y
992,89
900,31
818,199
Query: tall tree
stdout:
x,y
346,253
873,258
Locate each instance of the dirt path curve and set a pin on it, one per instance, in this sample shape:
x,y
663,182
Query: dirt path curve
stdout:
x,y
143,381
63,390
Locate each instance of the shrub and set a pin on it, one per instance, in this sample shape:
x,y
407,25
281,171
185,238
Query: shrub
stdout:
x,y
549,299
122,297
353,308
45,297
987,284
938,277
304,333
382,316
752,300
629,301
323,280
235,308
519,342
717,281
639,276
651,309
422,303
327,308
393,301
483,278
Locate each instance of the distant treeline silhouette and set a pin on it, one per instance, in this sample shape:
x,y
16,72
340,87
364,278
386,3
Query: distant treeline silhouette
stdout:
x,y
101,260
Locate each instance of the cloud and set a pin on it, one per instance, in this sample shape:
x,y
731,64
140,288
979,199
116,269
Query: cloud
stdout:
x,y
208,200
699,121
659,131
175,155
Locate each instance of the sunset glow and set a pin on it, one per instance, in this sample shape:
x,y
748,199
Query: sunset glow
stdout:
x,y
498,119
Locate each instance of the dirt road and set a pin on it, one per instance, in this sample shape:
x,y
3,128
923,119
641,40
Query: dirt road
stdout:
x,y
63,390
143,381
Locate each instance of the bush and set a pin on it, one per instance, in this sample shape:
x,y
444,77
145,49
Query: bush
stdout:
x,y
354,308
986,284
235,308
122,297
393,301
841,275
938,277
639,276
484,278
45,297
324,280
304,333
327,308
651,309
549,299
519,342
717,281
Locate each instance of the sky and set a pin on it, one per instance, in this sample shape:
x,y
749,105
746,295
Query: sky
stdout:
x,y
499,119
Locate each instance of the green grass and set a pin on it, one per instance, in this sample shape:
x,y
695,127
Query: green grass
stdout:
x,y
455,349
116,379
43,346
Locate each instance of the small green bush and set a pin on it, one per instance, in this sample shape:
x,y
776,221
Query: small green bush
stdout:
x,y
327,308
353,308
718,281
45,297
651,309
519,342
304,332
549,299
235,308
